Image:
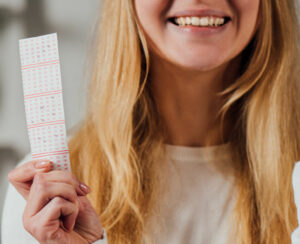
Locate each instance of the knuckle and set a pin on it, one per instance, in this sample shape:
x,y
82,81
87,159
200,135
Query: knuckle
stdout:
x,y
36,231
83,205
58,201
40,190
73,177
32,162
12,175
72,195
75,181
41,187
26,222
54,235
77,205
39,177
69,178
41,180
33,227
66,176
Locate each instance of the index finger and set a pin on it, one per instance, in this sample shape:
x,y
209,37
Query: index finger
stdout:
x,y
22,176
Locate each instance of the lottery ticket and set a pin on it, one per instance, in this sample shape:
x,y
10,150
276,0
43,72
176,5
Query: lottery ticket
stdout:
x,y
43,100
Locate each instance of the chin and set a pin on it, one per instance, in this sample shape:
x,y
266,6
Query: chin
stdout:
x,y
199,65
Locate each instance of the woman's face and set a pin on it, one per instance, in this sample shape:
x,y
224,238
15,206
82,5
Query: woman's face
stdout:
x,y
207,43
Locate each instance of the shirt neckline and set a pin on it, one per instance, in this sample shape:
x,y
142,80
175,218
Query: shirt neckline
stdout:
x,y
198,154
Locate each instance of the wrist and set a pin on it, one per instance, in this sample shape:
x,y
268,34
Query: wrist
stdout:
x,y
102,239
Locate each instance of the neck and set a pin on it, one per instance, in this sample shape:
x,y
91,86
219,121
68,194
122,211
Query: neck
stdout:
x,y
188,102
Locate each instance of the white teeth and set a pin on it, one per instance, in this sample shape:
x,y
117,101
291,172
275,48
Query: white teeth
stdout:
x,y
195,21
188,20
204,21
200,21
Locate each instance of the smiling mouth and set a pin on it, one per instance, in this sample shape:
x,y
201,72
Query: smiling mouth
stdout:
x,y
203,21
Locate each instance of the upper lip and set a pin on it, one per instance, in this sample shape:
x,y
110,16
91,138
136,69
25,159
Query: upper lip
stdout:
x,y
200,13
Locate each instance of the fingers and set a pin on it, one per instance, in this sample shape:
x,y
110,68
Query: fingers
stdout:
x,y
27,171
68,178
42,192
59,208
45,225
52,202
22,176
46,186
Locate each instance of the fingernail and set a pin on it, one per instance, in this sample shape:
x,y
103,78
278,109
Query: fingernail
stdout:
x,y
84,187
42,164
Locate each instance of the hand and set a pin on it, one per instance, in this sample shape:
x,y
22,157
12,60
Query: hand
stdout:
x,y
57,209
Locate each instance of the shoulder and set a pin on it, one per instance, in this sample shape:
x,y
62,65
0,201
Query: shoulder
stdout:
x,y
12,226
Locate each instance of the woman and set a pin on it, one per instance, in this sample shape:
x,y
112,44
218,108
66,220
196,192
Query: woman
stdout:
x,y
192,131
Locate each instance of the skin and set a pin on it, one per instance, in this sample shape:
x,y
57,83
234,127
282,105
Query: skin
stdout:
x,y
186,74
185,84
57,209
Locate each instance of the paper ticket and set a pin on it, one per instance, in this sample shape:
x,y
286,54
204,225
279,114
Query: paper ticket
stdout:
x,y
43,100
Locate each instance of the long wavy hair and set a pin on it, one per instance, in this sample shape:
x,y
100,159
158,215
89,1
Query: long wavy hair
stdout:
x,y
117,148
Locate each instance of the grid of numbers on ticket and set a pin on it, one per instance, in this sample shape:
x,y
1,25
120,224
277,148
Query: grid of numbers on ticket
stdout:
x,y
43,99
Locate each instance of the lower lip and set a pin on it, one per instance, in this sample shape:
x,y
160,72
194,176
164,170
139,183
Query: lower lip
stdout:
x,y
201,31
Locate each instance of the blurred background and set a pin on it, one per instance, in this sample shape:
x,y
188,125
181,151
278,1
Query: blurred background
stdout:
x,y
73,21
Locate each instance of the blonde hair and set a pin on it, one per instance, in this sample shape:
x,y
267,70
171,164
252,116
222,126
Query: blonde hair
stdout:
x,y
117,148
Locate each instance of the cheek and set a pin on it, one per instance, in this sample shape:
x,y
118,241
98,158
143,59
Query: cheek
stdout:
x,y
246,15
150,10
151,14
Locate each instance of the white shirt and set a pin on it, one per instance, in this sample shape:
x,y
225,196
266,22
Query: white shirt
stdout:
x,y
199,197
194,209
296,185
